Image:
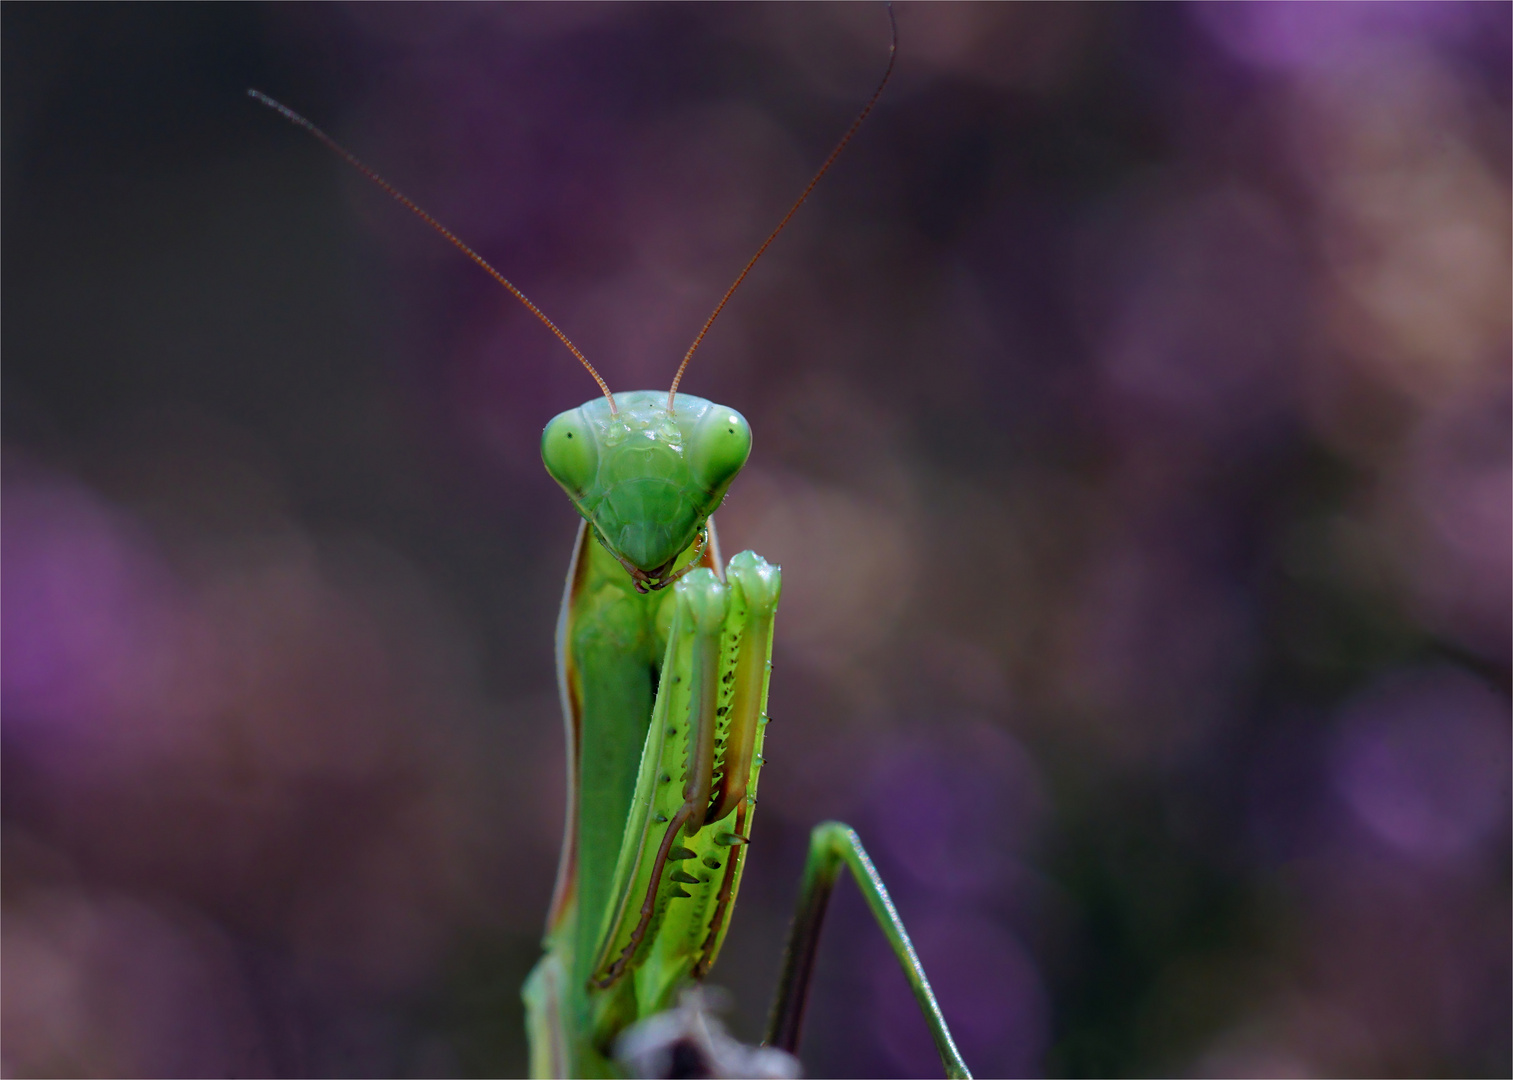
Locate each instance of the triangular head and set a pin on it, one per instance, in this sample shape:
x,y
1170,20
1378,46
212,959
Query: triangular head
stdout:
x,y
647,476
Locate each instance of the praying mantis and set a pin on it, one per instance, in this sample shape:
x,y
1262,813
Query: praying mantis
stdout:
x,y
663,662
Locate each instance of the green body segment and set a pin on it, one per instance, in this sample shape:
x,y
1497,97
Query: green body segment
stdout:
x,y
663,692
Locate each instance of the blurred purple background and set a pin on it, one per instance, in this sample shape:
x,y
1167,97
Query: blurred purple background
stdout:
x,y
1132,422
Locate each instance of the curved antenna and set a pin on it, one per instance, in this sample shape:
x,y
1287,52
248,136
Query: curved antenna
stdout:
x,y
400,197
829,161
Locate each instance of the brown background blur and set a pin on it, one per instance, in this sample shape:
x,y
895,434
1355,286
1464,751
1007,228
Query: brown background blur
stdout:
x,y
1131,412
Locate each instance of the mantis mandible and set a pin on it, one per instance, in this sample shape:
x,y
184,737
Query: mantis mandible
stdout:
x,y
663,661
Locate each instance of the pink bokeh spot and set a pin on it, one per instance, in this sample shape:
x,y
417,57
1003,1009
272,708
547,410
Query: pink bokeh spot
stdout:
x,y
88,622
1422,760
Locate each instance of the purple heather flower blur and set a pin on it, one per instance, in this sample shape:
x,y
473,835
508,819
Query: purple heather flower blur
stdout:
x,y
1131,412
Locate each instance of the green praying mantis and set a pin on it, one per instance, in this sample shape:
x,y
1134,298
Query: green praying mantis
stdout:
x,y
663,661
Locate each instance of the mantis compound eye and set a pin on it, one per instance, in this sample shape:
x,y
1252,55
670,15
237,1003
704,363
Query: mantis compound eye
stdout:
x,y
570,452
719,446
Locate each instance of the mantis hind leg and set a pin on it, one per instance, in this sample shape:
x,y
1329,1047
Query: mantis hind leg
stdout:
x,y
831,846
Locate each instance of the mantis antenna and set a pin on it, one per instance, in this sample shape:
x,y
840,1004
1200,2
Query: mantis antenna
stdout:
x,y
829,161
404,200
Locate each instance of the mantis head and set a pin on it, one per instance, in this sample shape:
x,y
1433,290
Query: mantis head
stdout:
x,y
645,469
646,472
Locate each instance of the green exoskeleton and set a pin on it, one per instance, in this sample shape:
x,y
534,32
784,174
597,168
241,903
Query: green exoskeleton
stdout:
x,y
663,659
